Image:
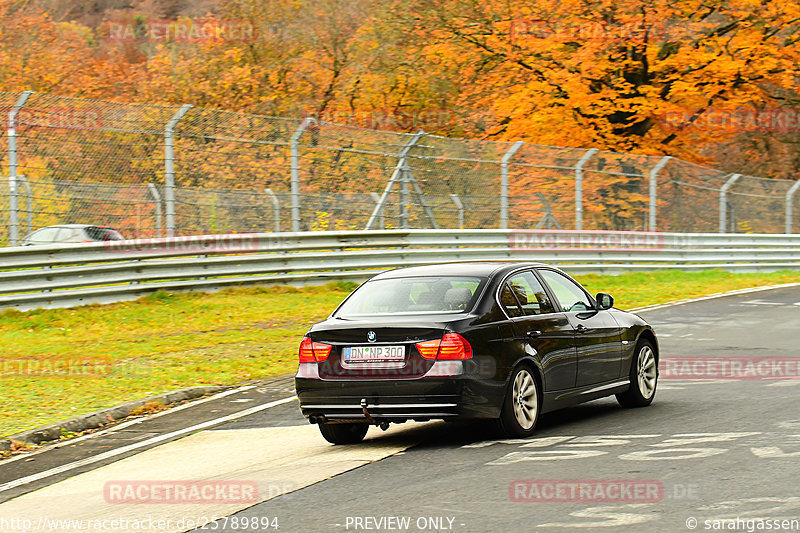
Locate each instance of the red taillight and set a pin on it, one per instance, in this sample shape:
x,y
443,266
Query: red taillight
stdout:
x,y
313,352
451,346
454,346
428,349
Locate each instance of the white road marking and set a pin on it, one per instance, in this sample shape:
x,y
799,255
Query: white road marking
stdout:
x,y
785,383
678,454
539,442
607,440
744,508
678,447
612,516
682,439
773,452
130,447
761,302
544,455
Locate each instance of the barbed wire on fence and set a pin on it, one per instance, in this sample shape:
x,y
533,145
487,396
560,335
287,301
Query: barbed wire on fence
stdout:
x,y
151,170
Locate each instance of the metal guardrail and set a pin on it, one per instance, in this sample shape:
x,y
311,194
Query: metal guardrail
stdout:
x,y
65,276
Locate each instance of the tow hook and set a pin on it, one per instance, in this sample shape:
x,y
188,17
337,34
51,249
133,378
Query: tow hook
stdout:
x,y
384,425
366,413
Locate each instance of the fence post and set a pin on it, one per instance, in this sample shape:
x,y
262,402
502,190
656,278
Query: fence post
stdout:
x,y
579,187
504,183
157,197
28,200
13,207
276,209
377,200
654,189
460,207
404,179
723,202
295,168
397,176
789,199
169,167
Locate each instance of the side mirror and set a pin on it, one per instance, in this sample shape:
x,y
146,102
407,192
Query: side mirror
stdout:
x,y
604,301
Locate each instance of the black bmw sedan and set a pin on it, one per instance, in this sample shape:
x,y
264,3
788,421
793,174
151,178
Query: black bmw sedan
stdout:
x,y
503,341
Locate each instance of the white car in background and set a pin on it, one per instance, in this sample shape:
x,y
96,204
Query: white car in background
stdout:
x,y
71,233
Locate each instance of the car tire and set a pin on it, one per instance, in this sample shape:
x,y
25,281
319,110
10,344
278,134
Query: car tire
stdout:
x,y
643,375
344,433
522,404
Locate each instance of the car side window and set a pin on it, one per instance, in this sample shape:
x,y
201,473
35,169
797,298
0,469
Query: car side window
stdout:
x,y
567,292
531,294
44,235
67,235
509,301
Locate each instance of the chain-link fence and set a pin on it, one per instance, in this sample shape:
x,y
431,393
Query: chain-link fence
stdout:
x,y
151,171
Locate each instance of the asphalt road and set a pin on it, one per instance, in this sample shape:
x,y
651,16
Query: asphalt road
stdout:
x,y
704,455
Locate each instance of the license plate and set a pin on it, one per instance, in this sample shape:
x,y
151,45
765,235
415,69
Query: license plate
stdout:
x,y
370,354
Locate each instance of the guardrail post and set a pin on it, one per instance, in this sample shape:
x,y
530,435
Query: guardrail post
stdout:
x,y
654,189
504,183
276,209
579,187
460,207
397,176
723,202
169,167
789,199
157,197
13,207
295,168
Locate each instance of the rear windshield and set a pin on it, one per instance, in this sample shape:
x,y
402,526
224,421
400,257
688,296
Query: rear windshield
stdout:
x,y
431,295
103,234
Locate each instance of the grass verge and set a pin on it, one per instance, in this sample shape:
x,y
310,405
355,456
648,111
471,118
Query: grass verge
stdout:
x,y
56,364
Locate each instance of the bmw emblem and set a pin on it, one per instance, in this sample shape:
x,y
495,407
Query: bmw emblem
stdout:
x,y
371,336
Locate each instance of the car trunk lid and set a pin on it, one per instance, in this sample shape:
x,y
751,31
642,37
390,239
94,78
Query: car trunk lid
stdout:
x,y
366,351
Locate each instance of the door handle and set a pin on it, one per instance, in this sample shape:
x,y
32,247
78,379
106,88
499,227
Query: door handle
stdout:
x,y
581,328
534,333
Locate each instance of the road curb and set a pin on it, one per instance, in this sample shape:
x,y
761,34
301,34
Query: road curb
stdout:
x,y
103,417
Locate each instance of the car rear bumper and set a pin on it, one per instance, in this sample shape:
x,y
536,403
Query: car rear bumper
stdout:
x,y
390,400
